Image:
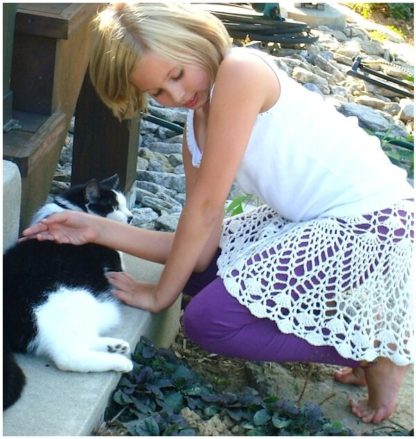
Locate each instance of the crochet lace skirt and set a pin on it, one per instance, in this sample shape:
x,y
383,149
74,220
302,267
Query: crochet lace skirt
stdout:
x,y
345,282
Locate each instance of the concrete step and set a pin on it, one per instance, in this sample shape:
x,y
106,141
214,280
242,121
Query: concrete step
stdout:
x,y
57,403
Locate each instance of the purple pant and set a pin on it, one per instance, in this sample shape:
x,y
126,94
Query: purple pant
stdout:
x,y
218,323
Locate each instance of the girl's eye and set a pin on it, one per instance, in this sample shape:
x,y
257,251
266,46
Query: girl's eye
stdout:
x,y
178,76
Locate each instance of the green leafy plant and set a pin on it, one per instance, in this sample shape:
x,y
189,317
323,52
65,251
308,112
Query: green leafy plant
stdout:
x,y
238,204
400,11
149,401
399,149
377,35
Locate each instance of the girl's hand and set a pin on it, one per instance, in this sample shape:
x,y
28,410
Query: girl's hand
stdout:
x,y
128,290
64,228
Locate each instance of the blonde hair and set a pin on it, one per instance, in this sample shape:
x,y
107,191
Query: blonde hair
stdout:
x,y
124,32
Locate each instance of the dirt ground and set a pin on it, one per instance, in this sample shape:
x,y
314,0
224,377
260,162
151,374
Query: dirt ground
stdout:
x,y
298,382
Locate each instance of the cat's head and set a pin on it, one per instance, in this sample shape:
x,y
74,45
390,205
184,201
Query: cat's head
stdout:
x,y
101,198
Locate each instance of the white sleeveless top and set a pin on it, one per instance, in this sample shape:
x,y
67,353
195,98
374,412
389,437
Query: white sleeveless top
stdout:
x,y
306,160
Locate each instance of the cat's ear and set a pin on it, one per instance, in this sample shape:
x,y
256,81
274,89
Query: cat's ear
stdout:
x,y
92,191
112,182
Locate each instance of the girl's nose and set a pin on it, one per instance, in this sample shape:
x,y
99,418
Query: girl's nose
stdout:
x,y
177,94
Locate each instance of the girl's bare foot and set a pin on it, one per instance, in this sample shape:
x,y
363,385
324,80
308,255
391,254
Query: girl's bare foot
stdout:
x,y
384,379
349,375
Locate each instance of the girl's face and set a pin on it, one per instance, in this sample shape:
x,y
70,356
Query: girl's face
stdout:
x,y
171,83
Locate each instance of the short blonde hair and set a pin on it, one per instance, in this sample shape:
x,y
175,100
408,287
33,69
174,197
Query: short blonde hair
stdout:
x,y
123,32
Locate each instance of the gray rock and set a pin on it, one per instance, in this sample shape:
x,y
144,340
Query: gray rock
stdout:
x,y
392,108
407,110
329,67
369,118
155,203
168,222
369,101
175,139
180,169
144,217
350,49
313,87
154,188
371,47
159,202
302,75
339,35
180,198
174,115
175,159
142,164
171,181
166,147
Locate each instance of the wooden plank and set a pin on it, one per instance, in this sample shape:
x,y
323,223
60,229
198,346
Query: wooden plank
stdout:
x,y
33,73
53,20
30,122
30,20
26,148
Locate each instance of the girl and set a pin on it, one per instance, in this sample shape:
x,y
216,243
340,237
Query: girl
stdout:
x,y
321,272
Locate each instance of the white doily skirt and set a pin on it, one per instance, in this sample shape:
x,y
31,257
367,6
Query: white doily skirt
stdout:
x,y
344,282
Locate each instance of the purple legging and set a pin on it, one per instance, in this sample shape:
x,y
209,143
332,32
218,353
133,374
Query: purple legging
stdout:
x,y
218,323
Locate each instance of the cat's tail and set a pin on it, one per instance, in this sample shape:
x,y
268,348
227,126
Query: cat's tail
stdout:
x,y
13,377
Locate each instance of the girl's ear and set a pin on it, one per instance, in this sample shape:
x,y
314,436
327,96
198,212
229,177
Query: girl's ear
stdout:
x,y
112,182
92,191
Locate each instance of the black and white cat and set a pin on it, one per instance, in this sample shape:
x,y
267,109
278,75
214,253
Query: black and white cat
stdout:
x,y
57,300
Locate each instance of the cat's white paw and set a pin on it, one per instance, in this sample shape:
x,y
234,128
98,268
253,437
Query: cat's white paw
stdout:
x,y
123,365
118,347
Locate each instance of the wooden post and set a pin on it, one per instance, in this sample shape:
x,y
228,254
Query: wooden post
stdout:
x,y
102,146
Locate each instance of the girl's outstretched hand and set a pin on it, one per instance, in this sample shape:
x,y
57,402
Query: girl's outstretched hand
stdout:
x,y
128,290
64,228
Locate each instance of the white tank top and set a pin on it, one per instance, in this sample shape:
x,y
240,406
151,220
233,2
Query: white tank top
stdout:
x,y
306,160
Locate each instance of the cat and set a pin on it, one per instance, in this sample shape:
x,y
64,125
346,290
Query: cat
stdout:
x,y
56,299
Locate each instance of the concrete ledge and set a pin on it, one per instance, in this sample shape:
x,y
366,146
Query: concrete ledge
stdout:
x,y
12,189
57,403
330,16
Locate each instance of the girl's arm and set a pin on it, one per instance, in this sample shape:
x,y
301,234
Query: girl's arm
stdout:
x,y
243,86
80,228
191,174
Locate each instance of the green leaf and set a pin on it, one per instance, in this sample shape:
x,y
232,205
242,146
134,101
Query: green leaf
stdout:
x,y
152,427
121,398
143,427
174,401
196,390
261,417
182,372
235,414
211,411
237,204
280,422
187,432
258,431
148,352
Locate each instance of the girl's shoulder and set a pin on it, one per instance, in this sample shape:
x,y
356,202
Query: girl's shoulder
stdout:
x,y
241,57
249,63
246,68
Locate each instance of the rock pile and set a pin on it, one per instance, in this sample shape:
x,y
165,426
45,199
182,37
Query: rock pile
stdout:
x,y
321,67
